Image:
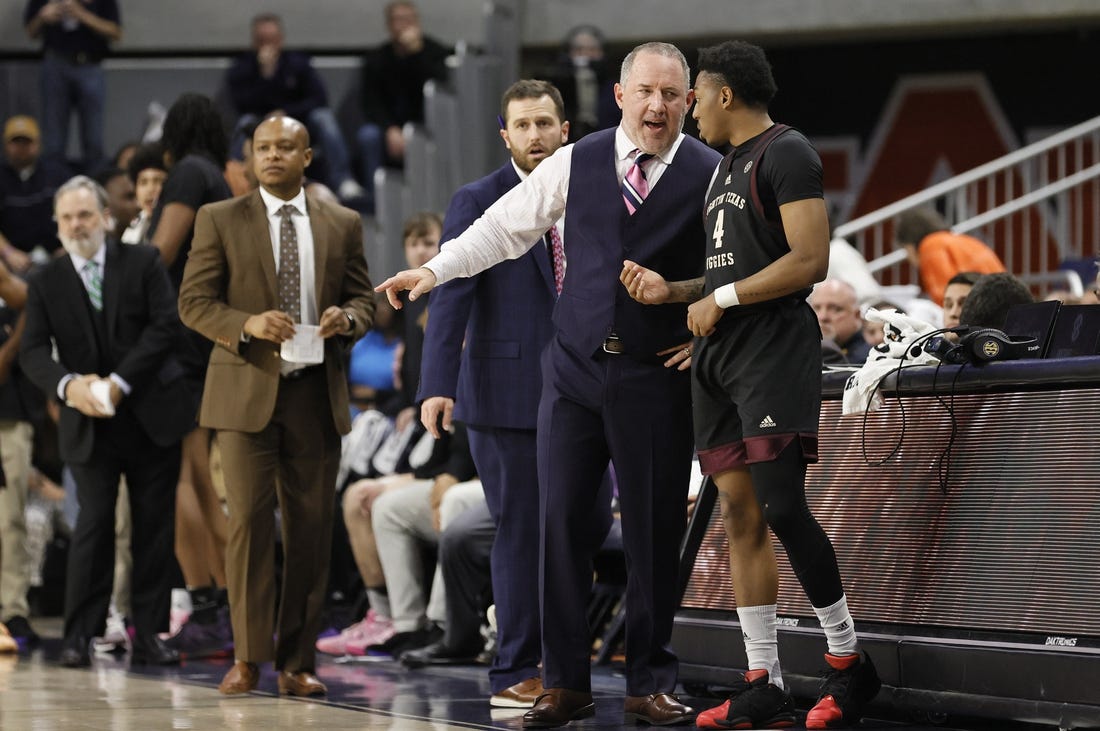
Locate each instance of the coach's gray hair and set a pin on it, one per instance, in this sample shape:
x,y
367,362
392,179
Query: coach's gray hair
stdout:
x,y
82,182
660,49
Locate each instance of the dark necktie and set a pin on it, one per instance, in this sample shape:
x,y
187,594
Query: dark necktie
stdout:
x,y
290,294
557,257
635,187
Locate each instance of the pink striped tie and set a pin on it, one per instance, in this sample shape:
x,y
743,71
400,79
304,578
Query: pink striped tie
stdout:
x,y
557,257
635,187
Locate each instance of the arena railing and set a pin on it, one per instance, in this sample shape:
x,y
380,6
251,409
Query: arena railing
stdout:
x,y
1036,207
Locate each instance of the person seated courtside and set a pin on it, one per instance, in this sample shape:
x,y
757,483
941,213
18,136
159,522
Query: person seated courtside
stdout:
x,y
990,298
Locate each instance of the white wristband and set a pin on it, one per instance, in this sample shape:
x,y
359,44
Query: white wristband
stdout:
x,y
726,296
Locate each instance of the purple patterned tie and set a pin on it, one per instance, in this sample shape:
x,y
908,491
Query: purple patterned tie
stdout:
x,y
635,187
557,257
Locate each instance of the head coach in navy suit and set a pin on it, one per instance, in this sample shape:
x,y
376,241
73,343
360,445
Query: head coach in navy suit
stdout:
x,y
493,384
628,193
111,312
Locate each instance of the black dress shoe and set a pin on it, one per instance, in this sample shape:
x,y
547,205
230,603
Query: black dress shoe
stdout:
x,y
438,653
152,650
75,653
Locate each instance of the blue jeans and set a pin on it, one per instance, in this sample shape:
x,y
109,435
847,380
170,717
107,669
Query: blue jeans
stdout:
x,y
371,142
323,127
325,133
66,85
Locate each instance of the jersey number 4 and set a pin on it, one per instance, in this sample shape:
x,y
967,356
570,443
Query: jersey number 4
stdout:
x,y
719,228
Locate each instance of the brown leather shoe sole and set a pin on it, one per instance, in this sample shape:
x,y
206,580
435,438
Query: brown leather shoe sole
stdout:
x,y
642,718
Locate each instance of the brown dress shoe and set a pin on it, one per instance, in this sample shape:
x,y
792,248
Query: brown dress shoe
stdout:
x,y
559,706
658,709
302,683
243,677
521,695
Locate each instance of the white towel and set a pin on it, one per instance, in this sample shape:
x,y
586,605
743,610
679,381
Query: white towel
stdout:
x,y
900,332
369,430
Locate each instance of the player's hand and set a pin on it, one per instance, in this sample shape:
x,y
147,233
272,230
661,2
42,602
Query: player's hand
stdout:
x,y
681,356
432,409
272,325
644,285
416,281
334,321
703,316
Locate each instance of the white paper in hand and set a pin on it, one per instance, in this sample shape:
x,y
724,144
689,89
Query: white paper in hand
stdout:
x,y
101,389
305,347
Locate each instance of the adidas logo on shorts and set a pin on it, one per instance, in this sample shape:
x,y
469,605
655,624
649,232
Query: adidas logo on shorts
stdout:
x,y
767,423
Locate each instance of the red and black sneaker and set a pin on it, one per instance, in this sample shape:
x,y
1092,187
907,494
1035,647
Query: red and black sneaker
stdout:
x,y
849,685
754,703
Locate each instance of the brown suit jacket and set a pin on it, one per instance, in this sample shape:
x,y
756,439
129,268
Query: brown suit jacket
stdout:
x,y
230,276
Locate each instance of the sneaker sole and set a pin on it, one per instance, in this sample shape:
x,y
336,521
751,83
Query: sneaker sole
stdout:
x,y
850,721
751,725
783,721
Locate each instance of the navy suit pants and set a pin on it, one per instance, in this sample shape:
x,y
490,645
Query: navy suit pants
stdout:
x,y
638,415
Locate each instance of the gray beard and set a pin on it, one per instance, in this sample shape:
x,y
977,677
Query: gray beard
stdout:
x,y
86,247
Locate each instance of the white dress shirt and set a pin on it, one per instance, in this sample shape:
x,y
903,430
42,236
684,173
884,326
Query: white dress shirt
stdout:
x,y
521,216
560,223
306,267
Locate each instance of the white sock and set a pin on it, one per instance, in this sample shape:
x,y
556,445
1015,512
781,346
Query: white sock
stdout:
x,y
761,645
840,630
379,602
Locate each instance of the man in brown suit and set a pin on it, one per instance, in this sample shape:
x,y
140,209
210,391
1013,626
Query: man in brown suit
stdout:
x,y
264,268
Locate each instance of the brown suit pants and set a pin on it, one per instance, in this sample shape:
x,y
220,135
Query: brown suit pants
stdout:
x,y
294,461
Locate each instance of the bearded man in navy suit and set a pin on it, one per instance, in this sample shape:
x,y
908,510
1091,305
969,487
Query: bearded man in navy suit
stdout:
x,y
503,316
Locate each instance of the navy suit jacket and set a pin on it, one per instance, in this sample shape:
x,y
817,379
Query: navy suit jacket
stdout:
x,y
504,316
142,328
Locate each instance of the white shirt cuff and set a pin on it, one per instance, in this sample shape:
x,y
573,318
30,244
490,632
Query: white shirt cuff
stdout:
x,y
121,383
62,384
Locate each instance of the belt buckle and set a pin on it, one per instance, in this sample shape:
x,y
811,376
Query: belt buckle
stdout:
x,y
613,344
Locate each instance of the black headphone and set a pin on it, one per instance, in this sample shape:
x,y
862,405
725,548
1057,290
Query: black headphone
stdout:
x,y
983,345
